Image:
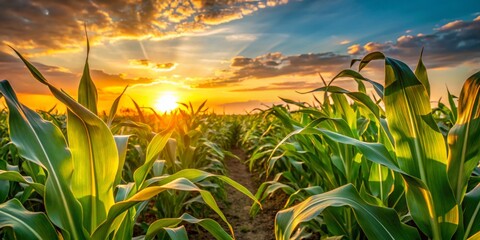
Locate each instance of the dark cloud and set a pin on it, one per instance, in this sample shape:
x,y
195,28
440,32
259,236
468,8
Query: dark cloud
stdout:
x,y
275,65
41,25
452,44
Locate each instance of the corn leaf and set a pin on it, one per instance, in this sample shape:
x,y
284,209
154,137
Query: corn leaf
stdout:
x,y
180,184
208,224
114,107
421,73
464,150
376,222
94,153
153,149
471,206
15,176
121,142
41,142
87,92
25,224
178,233
420,149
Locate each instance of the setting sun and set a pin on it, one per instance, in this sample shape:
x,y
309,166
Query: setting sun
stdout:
x,y
167,102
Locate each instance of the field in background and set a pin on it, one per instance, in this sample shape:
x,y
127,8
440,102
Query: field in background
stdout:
x,y
349,166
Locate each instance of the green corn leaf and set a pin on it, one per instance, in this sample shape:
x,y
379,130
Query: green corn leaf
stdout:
x,y
180,184
471,206
453,107
196,176
208,224
376,222
464,150
420,149
87,92
380,181
41,142
153,149
358,97
357,76
266,189
25,224
17,177
177,233
94,154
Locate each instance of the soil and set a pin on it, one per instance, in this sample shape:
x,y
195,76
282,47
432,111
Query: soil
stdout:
x,y
237,207
261,227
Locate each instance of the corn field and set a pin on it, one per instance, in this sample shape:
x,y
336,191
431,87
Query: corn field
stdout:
x,y
350,165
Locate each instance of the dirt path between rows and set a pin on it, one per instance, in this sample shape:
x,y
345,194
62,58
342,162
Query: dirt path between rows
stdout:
x,y
237,211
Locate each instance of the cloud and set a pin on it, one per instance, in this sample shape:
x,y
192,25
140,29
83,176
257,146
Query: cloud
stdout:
x,y
355,49
12,69
452,44
104,80
41,26
147,64
275,65
291,85
345,42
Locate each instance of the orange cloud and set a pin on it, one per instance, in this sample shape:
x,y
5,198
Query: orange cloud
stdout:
x,y
147,64
42,26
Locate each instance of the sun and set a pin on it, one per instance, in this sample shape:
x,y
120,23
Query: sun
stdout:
x,y
166,102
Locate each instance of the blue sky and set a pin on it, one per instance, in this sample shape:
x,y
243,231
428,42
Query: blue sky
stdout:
x,y
235,53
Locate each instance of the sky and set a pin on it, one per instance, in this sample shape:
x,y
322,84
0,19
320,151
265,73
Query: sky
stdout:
x,y
237,54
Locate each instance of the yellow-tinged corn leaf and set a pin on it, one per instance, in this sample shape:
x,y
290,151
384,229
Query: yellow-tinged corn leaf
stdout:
x,y
476,236
464,149
377,222
94,154
125,229
421,74
139,110
87,92
25,224
420,149
41,142
471,217
208,224
153,149
17,177
180,184
113,109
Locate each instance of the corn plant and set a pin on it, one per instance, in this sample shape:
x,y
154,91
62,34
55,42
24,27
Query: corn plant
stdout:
x,y
83,194
408,142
